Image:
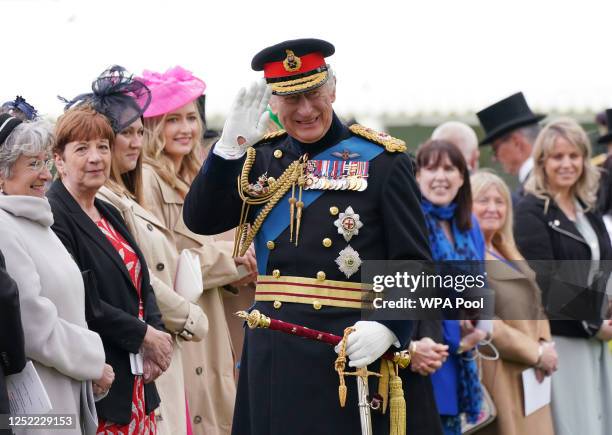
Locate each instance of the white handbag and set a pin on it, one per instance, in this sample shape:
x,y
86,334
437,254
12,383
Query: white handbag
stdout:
x,y
188,281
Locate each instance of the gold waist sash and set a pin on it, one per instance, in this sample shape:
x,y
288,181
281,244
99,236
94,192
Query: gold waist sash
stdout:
x,y
311,291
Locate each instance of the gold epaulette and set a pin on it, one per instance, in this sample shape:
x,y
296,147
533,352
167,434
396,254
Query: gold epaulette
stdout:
x,y
599,159
390,143
269,136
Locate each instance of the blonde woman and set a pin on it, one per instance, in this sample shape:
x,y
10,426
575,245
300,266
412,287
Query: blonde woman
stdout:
x,y
556,223
520,332
173,130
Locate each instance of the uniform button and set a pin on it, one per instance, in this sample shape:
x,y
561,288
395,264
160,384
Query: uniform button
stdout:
x,y
321,275
160,266
149,227
270,244
316,305
334,211
197,419
271,180
199,371
327,242
278,154
276,273
277,304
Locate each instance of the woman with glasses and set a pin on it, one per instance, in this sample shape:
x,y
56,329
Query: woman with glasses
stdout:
x,y
65,353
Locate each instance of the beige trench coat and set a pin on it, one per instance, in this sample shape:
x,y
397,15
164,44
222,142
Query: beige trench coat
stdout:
x,y
517,296
208,366
157,245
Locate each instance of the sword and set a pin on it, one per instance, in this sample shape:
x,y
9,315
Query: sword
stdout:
x,y
255,319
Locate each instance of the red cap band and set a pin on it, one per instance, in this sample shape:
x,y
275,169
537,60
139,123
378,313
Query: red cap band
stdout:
x,y
309,61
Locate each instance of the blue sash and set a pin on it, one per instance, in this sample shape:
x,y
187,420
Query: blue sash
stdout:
x,y
279,217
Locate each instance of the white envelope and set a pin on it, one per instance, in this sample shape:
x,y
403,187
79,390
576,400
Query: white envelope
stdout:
x,y
188,281
536,394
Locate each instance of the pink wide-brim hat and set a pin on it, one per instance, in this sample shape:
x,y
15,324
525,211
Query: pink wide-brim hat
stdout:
x,y
171,90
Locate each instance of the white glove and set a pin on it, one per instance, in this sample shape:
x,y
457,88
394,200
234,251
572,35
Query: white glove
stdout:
x,y
246,123
368,342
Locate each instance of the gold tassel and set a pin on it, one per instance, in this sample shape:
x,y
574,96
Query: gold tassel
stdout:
x,y
291,212
342,393
300,206
398,406
383,383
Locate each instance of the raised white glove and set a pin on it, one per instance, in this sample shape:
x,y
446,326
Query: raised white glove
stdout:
x,y
246,123
368,342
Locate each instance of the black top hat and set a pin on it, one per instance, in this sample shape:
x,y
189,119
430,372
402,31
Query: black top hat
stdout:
x,y
506,115
606,138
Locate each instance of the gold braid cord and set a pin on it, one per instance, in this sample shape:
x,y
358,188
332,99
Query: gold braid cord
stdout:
x,y
340,365
391,144
277,189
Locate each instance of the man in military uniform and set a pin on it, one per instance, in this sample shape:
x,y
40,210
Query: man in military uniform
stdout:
x,y
320,199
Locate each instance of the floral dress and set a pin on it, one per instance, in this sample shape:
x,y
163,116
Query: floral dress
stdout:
x,y
140,423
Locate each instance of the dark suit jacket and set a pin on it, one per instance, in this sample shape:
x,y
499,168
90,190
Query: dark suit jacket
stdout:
x,y
110,289
12,353
547,234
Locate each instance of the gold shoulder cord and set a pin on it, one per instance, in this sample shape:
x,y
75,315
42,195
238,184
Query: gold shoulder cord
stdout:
x,y
293,175
391,144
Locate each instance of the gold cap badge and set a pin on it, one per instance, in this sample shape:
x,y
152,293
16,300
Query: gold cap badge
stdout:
x,y
292,62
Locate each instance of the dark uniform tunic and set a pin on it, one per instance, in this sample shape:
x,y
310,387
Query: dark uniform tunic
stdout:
x,y
288,385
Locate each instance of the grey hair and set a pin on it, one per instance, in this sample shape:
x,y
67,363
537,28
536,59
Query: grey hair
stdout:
x,y
458,133
28,138
530,132
331,78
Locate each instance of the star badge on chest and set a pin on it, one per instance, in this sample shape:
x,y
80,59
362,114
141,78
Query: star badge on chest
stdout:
x,y
348,261
348,224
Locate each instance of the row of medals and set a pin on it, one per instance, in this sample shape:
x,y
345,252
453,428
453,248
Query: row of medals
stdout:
x,y
351,182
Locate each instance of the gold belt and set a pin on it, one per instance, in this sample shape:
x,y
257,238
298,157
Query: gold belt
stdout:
x,y
310,291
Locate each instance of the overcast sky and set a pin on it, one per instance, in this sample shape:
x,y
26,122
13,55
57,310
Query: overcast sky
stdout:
x,y
392,57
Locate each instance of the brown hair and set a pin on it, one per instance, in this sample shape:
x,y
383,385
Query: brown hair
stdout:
x,y
430,155
81,123
128,183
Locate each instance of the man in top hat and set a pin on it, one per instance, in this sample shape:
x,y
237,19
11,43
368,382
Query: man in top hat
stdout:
x,y
320,198
511,128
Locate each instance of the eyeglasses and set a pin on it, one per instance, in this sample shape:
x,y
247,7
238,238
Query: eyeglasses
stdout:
x,y
39,165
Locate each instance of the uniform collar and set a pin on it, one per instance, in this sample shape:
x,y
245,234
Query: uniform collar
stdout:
x,y
337,131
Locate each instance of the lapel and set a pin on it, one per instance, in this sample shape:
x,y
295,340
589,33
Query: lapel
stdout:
x,y
173,199
91,229
559,223
150,218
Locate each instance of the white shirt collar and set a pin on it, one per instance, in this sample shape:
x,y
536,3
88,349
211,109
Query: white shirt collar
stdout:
x,y
525,169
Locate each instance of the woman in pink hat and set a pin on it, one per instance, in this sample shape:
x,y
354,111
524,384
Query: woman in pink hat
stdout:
x,y
173,133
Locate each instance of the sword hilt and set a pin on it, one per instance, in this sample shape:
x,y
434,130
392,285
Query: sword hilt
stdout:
x,y
254,319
